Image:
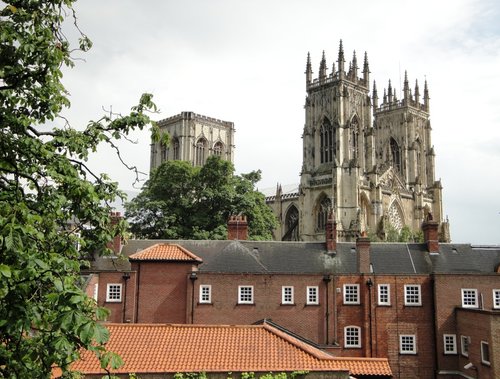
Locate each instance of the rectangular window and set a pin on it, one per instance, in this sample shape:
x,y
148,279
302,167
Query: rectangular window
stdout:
x,y
407,344
114,292
205,294
496,299
384,294
312,295
245,294
352,336
412,295
450,343
469,298
485,353
287,295
464,345
351,293
95,295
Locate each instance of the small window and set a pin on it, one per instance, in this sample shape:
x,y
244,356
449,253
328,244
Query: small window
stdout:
x,y
114,293
312,295
352,336
351,293
412,295
485,353
496,299
384,294
450,343
205,294
245,295
469,298
407,344
287,295
464,345
95,295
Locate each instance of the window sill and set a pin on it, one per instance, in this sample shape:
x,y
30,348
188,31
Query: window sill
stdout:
x,y
245,304
288,304
312,305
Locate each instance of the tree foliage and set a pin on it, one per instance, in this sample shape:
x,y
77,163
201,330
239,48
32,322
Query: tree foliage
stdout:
x,y
50,201
184,202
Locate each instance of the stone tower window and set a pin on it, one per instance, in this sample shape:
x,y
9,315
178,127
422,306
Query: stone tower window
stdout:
x,y
322,214
218,148
327,141
175,148
354,138
292,224
395,155
164,153
200,149
395,217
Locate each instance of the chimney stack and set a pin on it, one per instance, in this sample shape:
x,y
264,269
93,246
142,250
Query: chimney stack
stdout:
x,y
363,254
431,235
237,228
116,243
331,233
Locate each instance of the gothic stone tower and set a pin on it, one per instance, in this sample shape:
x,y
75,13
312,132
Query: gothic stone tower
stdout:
x,y
193,138
374,176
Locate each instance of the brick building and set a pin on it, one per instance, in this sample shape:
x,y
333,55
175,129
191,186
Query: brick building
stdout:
x,y
418,305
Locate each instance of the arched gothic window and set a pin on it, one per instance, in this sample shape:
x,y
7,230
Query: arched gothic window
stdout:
x,y
354,138
395,215
327,141
218,148
292,224
324,207
175,148
200,149
164,153
395,155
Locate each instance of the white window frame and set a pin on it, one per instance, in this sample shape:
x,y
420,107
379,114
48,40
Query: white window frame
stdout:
x,y
409,302
450,344
466,298
496,299
312,295
485,361
287,295
387,293
95,295
114,293
464,345
205,294
352,336
351,293
241,295
407,340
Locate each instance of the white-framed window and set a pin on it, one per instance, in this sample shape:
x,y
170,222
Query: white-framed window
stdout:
x,y
287,295
95,295
469,298
485,353
351,293
352,336
464,345
407,344
450,343
413,295
205,293
384,294
245,294
114,292
496,299
312,295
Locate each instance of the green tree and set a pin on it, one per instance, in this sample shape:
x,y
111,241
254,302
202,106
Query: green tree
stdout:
x,y
45,185
186,202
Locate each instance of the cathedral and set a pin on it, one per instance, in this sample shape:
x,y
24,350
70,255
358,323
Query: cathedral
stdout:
x,y
368,161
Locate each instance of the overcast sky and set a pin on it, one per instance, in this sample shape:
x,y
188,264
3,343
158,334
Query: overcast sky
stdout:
x,y
244,61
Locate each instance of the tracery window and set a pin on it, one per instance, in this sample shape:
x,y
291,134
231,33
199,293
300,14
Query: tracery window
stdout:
x,y
292,224
322,213
218,148
200,149
395,218
354,138
395,155
164,153
175,148
327,142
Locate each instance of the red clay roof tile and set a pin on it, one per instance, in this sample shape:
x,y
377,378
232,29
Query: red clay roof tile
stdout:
x,y
153,348
165,252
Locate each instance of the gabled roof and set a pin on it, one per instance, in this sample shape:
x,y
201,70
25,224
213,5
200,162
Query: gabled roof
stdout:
x,y
165,252
155,348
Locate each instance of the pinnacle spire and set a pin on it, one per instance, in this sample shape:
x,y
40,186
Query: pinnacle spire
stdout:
x,y
354,65
375,95
417,92
322,67
406,88
341,60
426,96
366,71
308,69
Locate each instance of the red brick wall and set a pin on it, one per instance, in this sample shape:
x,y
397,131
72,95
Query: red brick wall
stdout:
x,y
120,311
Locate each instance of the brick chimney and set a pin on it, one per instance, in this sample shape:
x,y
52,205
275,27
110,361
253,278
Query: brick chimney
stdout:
x,y
331,233
116,243
237,228
431,235
363,254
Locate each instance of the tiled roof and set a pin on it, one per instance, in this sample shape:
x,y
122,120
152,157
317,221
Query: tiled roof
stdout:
x,y
165,252
154,348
